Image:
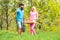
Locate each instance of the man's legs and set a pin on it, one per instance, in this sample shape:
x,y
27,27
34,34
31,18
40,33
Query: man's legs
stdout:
x,y
19,27
19,31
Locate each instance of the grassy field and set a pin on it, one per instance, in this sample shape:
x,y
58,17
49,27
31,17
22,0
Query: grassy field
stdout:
x,y
8,35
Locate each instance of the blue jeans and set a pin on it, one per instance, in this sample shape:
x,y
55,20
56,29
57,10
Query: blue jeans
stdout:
x,y
20,24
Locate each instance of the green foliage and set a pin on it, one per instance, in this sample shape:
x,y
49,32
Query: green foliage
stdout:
x,y
48,10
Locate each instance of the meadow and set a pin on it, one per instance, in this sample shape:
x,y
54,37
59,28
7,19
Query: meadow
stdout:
x,y
41,35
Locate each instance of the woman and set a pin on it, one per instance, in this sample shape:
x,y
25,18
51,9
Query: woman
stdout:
x,y
33,18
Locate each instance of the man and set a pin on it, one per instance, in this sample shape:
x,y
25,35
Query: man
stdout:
x,y
20,17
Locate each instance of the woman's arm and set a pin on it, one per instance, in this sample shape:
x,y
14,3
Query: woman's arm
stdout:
x,y
37,16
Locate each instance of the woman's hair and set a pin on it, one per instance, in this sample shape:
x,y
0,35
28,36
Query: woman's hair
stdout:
x,y
34,8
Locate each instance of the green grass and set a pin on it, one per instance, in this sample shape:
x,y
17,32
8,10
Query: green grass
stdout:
x,y
7,35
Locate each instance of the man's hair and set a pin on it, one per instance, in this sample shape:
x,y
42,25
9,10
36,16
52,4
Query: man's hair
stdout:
x,y
21,4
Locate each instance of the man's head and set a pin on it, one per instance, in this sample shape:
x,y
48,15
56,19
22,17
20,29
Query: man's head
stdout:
x,y
21,6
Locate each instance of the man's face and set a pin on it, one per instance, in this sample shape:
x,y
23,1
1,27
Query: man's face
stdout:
x,y
22,7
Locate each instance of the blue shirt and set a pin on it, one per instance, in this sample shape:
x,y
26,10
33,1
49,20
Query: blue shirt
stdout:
x,y
19,14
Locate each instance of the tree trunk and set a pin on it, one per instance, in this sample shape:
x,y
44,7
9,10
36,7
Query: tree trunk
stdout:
x,y
1,22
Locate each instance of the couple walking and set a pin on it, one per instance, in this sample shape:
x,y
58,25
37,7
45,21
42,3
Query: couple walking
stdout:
x,y
20,17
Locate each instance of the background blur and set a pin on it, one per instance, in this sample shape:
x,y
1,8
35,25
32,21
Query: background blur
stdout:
x,y
48,10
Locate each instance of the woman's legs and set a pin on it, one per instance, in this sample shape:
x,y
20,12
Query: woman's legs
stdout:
x,y
32,28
